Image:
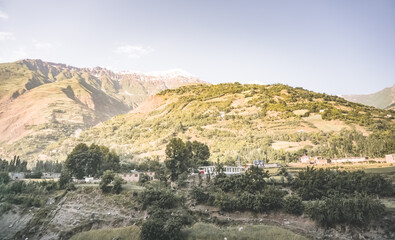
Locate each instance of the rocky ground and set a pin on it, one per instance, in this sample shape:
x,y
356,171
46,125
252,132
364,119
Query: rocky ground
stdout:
x,y
87,208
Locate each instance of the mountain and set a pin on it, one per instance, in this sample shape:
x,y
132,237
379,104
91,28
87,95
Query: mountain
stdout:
x,y
274,122
42,102
384,99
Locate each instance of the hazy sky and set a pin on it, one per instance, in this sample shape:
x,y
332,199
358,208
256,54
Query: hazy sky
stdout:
x,y
332,46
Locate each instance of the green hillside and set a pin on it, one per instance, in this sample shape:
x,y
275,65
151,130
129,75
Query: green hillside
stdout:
x,y
276,122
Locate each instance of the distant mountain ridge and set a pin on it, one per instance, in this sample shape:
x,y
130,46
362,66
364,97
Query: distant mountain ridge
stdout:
x,y
42,102
384,99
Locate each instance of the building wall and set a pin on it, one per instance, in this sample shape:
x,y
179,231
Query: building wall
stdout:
x,y
390,158
135,176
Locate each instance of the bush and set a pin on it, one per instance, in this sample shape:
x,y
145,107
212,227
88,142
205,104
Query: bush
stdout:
x,y
294,205
316,183
356,209
34,175
143,178
199,195
107,178
159,197
270,199
162,227
4,178
117,184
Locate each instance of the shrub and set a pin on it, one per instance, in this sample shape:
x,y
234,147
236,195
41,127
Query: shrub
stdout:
x,y
356,209
294,205
117,184
159,197
199,195
4,178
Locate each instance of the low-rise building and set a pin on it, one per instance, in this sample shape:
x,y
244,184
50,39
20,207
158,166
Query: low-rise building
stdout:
x,y
16,175
271,165
50,175
390,158
350,160
305,159
228,170
262,164
134,176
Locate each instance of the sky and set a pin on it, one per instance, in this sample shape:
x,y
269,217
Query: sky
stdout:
x,y
332,46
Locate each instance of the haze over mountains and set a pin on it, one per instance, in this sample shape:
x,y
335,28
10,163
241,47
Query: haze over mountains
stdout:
x,y
42,102
384,99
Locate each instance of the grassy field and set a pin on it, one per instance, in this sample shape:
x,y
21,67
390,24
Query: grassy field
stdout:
x,y
126,233
250,232
199,231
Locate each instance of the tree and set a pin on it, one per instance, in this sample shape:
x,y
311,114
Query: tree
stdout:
x,y
4,178
64,179
294,205
152,230
178,158
117,184
107,178
255,179
200,153
91,161
143,178
77,159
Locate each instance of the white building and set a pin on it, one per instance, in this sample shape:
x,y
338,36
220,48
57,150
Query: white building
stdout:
x,y
390,158
305,159
134,176
50,175
350,160
16,175
228,170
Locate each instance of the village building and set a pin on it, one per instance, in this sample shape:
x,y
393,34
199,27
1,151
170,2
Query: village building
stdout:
x,y
89,180
390,158
272,165
305,159
350,160
262,164
16,175
320,161
134,176
50,175
258,163
228,170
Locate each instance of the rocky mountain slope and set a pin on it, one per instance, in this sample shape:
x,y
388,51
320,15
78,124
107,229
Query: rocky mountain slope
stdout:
x,y
42,102
384,99
274,122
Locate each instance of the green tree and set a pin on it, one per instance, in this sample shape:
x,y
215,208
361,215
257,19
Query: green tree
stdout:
x,y
4,178
293,204
117,184
77,159
200,153
107,178
177,158
254,179
91,161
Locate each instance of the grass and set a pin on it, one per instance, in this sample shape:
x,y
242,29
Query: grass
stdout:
x,y
126,233
381,170
197,232
202,231
125,187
